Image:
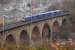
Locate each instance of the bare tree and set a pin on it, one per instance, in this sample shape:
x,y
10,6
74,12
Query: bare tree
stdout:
x,y
6,3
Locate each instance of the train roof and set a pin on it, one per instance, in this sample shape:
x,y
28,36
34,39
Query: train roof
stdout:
x,y
34,18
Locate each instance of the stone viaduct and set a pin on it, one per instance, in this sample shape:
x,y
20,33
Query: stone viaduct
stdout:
x,y
34,30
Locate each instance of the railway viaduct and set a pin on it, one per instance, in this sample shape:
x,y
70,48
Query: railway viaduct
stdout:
x,y
34,30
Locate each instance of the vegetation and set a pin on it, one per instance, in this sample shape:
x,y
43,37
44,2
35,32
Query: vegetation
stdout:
x,y
45,46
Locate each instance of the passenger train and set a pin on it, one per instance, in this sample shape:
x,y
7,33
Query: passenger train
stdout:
x,y
48,14
37,17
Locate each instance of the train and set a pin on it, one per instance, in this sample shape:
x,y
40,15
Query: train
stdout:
x,y
33,18
45,15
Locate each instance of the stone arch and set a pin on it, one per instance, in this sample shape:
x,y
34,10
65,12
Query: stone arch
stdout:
x,y
64,22
55,30
35,37
64,30
10,39
46,32
24,37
